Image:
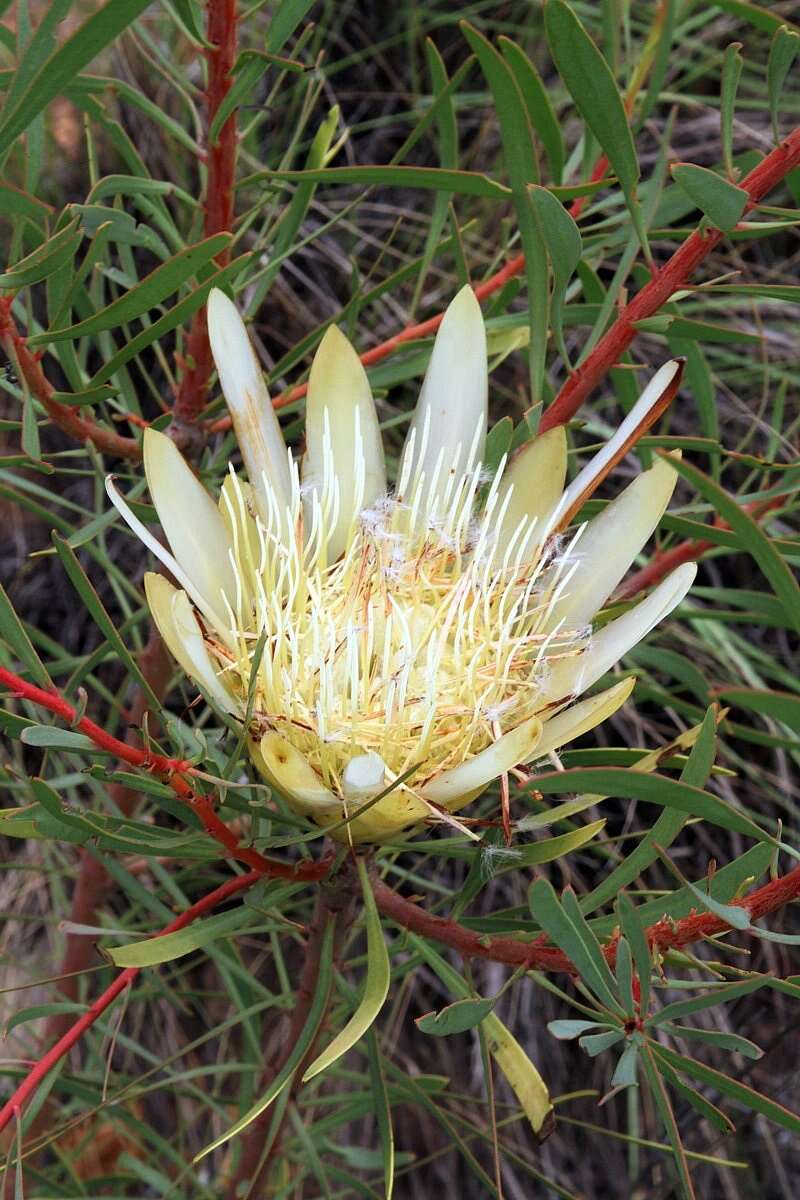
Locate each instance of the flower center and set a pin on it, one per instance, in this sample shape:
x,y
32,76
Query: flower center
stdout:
x,y
425,642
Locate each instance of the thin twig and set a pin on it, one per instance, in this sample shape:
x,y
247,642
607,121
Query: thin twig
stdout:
x,y
13,1106
172,771
221,169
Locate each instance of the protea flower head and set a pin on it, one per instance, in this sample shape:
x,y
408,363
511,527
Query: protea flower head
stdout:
x,y
439,634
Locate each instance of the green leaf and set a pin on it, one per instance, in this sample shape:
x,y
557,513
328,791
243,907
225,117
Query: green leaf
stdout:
x,y
457,1017
781,706
44,260
537,100
650,789
13,633
625,1074
564,249
284,19
95,607
50,737
299,1050
246,72
170,320
636,939
722,202
598,1043
187,14
716,1116
376,985
463,183
383,1112
67,61
169,946
570,933
37,1011
659,1091
521,1074
295,212
154,288
720,995
782,54
16,203
752,537
734,915
666,828
591,84
732,1088
566,1031
755,14
517,139
624,973
731,71
713,1037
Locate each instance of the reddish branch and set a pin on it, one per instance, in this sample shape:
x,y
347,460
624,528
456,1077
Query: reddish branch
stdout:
x,y
173,772
93,881
667,279
83,429
537,955
221,168
62,1047
677,271
500,949
665,561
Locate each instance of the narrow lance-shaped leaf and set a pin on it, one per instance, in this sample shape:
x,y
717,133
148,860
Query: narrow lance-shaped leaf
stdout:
x,y
457,1017
752,537
781,706
376,986
722,202
636,940
13,633
102,619
651,789
523,1077
44,260
540,111
578,943
564,248
517,139
731,72
661,1097
67,61
670,822
782,53
383,1111
169,946
298,1051
591,84
154,288
731,1088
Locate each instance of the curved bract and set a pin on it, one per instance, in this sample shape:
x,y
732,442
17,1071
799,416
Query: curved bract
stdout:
x,y
419,643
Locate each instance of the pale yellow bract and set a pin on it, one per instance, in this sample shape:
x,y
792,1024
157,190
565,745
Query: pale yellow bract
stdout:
x,y
439,633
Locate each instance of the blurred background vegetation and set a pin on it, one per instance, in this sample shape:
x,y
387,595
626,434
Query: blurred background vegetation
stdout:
x,y
104,185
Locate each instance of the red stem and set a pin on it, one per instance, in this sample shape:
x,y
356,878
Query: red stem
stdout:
x,y
221,165
83,429
674,274
64,1044
537,955
171,770
665,561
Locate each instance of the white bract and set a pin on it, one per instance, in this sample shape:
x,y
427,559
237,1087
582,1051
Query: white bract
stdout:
x,y
438,635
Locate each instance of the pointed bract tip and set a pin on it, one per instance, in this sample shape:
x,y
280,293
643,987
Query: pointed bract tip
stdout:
x,y
464,306
335,346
